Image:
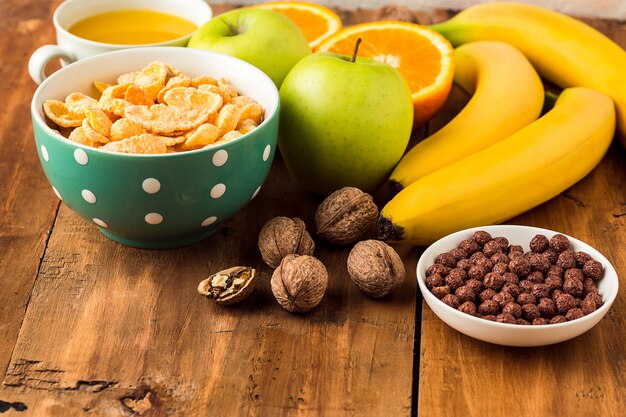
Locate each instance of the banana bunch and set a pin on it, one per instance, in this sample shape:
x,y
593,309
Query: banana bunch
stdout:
x,y
495,160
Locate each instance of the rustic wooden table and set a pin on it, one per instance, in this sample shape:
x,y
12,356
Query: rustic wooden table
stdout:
x,y
88,326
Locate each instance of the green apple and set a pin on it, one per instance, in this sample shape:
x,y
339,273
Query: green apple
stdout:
x,y
343,123
264,38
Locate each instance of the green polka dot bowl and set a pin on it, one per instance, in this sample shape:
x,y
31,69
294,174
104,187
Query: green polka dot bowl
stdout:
x,y
166,200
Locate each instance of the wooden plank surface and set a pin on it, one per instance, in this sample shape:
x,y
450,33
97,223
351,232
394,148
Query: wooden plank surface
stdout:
x,y
100,329
27,203
586,376
112,330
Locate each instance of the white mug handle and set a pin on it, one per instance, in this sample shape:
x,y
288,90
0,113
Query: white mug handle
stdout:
x,y
40,58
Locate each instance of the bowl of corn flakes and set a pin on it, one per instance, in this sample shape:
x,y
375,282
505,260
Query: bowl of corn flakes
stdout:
x,y
156,146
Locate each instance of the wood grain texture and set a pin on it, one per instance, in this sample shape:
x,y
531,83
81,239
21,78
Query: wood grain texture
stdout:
x,y
112,330
585,376
27,203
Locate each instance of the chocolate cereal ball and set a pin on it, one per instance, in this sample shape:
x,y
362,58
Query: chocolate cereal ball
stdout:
x,y
593,269
581,258
553,282
540,321
441,291
519,266
506,318
477,272
588,306
559,242
540,290
476,285
558,319
468,307
458,254
464,264
475,257
489,307
547,308
464,293
487,294
512,289
513,309
595,297
503,242
485,263
515,248
451,300
573,286
551,255
539,243
481,237
573,314
489,317
434,280
566,259
500,268
565,302
555,294
538,262
438,269
470,246
499,258
526,298
530,312
526,285
494,281
503,298
556,270
491,248
589,286
510,278
446,259
523,322
535,277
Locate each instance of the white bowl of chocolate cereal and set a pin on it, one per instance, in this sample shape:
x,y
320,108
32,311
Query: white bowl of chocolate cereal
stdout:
x,y
516,285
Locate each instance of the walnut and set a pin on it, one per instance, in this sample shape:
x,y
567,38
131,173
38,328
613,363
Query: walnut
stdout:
x,y
283,236
229,286
375,268
345,216
299,283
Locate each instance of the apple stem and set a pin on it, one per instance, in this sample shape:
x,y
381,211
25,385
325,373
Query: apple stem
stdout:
x,y
356,49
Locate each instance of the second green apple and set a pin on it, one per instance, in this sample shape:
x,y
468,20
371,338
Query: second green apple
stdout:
x,y
343,123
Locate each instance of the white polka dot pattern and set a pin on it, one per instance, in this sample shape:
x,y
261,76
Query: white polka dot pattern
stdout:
x,y
81,156
151,185
88,196
153,218
218,190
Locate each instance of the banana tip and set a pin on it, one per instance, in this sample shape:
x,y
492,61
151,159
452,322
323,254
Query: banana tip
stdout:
x,y
395,187
387,230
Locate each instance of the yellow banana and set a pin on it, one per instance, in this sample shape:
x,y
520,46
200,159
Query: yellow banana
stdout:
x,y
514,175
507,95
562,49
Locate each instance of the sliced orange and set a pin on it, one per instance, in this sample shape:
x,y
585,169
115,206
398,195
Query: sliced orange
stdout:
x,y
423,57
315,21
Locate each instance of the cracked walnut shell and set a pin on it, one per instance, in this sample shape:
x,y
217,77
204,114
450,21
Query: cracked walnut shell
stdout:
x,y
375,268
299,283
345,216
229,286
282,236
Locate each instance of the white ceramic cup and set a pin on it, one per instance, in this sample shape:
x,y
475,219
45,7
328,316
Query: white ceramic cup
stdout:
x,y
70,48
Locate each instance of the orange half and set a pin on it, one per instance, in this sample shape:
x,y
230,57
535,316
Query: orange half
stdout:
x,y
423,57
315,21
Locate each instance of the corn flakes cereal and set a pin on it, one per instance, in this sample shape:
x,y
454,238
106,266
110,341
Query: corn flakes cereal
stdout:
x,y
78,135
124,128
189,113
137,96
77,102
142,144
58,112
97,120
204,135
228,118
246,126
166,120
